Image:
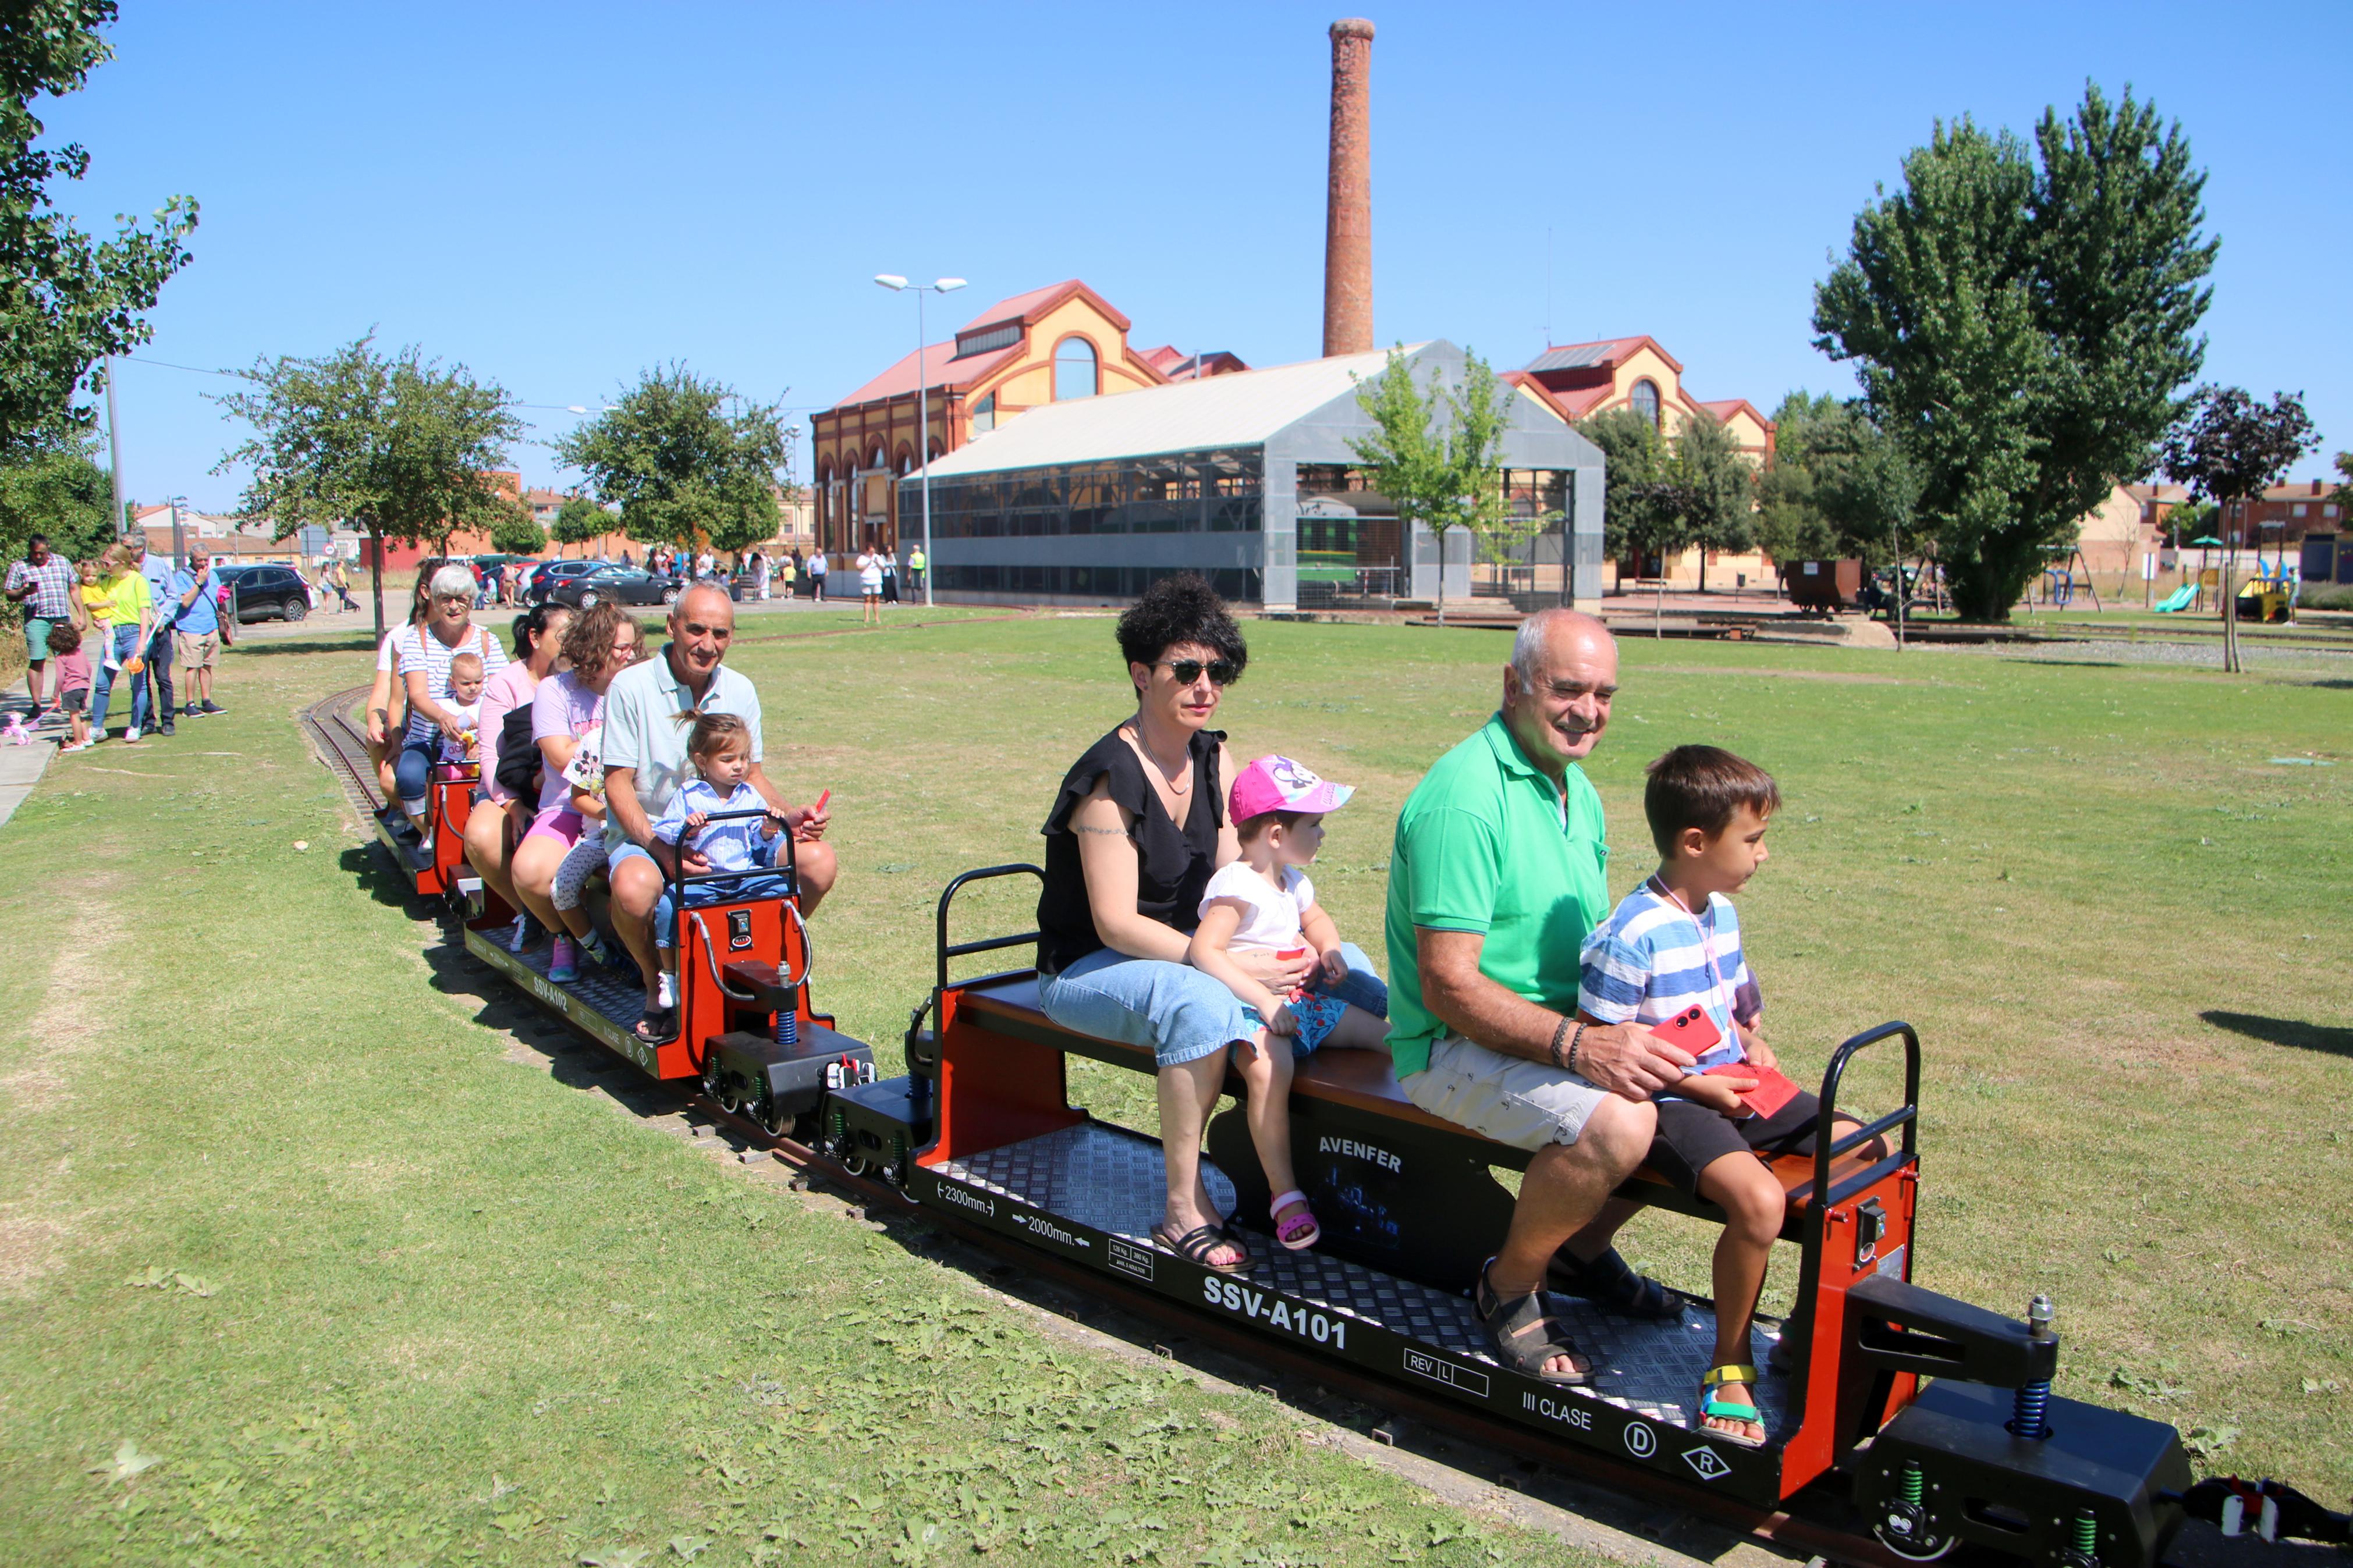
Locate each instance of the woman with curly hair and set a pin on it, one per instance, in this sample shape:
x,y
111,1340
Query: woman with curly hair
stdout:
x,y
1138,827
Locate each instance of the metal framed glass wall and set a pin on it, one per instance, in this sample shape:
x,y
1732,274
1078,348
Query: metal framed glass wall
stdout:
x,y
1119,525
1197,493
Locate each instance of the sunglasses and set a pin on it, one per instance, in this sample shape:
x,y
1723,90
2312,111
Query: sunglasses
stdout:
x,y
1222,671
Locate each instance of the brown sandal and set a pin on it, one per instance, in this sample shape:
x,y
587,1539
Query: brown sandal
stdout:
x,y
1197,1244
1526,1335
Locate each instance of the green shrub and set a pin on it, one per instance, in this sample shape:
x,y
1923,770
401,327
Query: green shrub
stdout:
x,y
2328,596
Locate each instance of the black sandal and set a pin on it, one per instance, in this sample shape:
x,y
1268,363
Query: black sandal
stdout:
x,y
658,1026
1610,1283
1516,1323
1196,1244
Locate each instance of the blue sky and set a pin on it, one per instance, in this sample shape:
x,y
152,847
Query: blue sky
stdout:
x,y
560,195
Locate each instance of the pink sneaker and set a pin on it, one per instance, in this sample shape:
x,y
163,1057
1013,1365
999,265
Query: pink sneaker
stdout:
x,y
563,960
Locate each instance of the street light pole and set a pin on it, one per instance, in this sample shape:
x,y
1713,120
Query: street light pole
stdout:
x,y
892,282
114,452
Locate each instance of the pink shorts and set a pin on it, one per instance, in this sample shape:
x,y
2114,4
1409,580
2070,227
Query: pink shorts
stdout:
x,y
560,823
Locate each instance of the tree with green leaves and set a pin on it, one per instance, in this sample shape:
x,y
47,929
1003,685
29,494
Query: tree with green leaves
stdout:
x,y
2344,496
579,520
1438,453
397,446
59,491
2024,321
1718,500
2229,448
66,299
512,532
1633,463
687,460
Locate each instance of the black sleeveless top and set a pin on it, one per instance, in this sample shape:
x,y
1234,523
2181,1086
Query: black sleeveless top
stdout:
x,y
1172,863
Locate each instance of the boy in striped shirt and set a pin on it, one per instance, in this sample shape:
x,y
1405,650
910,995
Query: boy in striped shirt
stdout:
x,y
1673,944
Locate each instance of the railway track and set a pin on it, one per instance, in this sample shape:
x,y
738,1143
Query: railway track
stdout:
x,y
1620,1510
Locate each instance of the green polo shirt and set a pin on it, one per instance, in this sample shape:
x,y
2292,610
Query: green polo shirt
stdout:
x,y
1487,843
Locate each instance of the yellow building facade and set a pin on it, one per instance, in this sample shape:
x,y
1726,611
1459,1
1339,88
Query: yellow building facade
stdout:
x,y
1578,381
1047,345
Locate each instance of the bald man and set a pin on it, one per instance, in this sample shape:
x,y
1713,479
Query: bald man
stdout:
x,y
1498,873
644,751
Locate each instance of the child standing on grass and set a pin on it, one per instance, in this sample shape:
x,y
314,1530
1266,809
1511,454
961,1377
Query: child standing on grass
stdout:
x,y
1263,899
465,705
1675,944
719,760
73,682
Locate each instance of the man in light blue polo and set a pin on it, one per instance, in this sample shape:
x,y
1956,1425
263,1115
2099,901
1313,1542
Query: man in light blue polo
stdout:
x,y
1498,872
644,752
191,604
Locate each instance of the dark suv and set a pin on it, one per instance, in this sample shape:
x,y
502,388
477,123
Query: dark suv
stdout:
x,y
262,591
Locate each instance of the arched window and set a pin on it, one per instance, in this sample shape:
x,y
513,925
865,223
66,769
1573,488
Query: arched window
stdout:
x,y
1074,370
1645,400
984,415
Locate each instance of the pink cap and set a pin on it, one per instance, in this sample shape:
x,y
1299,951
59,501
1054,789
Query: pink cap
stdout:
x,y
1278,783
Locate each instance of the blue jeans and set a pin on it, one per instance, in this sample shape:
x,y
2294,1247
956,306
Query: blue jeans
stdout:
x,y
413,773
1181,1014
753,885
126,647
159,671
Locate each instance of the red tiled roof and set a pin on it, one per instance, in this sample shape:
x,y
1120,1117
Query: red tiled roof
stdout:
x,y
941,369
1029,307
1724,408
1161,358
1604,352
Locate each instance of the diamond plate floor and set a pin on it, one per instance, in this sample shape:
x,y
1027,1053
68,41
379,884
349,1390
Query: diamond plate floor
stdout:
x,y
1111,1179
616,997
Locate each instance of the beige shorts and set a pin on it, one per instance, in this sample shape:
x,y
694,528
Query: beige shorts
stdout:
x,y
1509,1099
197,650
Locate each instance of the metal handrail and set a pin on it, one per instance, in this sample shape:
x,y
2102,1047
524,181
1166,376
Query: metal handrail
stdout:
x,y
1826,1150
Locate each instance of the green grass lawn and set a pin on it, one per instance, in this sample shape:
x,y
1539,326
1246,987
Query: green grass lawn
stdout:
x,y
279,1214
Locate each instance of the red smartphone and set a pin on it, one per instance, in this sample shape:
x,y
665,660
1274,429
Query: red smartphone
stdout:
x,y
1692,1029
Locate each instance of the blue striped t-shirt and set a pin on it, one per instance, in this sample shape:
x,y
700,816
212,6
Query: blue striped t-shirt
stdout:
x,y
735,845
1649,959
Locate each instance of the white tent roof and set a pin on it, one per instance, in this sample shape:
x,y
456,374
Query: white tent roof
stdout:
x,y
1243,409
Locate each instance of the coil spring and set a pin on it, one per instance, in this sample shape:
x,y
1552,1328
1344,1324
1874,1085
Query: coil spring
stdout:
x,y
2088,1532
2030,1411
788,1025
1908,1485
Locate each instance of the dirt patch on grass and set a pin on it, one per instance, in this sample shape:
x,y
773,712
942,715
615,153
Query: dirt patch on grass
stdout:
x,y
68,1019
31,1246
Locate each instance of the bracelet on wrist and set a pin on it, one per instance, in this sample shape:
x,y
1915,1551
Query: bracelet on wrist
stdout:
x,y
1574,1041
1554,1051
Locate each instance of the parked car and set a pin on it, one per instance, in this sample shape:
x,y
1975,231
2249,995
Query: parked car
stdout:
x,y
259,591
543,581
619,585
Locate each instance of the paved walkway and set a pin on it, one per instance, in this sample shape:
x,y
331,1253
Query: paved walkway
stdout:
x,y
21,767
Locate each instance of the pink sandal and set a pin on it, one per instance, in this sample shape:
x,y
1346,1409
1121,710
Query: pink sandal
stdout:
x,y
1299,1231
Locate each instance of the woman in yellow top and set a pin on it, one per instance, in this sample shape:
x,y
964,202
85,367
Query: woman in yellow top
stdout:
x,y
131,612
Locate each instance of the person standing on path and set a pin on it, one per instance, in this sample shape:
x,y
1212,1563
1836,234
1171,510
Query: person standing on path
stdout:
x,y
870,588
917,565
42,586
817,569
890,577
129,619
341,582
644,752
191,604
157,648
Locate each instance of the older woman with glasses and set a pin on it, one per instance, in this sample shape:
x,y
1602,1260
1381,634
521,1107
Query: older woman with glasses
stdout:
x,y
1138,827
423,651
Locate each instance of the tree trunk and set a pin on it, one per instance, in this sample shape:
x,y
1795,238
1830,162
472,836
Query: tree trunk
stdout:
x,y
2230,597
375,583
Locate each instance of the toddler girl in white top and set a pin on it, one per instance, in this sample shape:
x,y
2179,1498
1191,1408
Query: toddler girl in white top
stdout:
x,y
1265,900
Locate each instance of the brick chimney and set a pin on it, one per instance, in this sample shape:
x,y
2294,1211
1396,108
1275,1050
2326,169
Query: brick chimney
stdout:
x,y
1348,212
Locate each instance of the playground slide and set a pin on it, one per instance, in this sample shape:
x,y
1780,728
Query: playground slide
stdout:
x,y
2176,600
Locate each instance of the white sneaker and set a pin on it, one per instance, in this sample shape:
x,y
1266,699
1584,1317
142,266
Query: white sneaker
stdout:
x,y
130,734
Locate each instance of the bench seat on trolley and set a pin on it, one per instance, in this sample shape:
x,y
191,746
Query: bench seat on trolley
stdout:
x,y
1355,1093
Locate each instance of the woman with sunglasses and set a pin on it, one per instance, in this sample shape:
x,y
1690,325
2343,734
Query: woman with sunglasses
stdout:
x,y
1136,830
